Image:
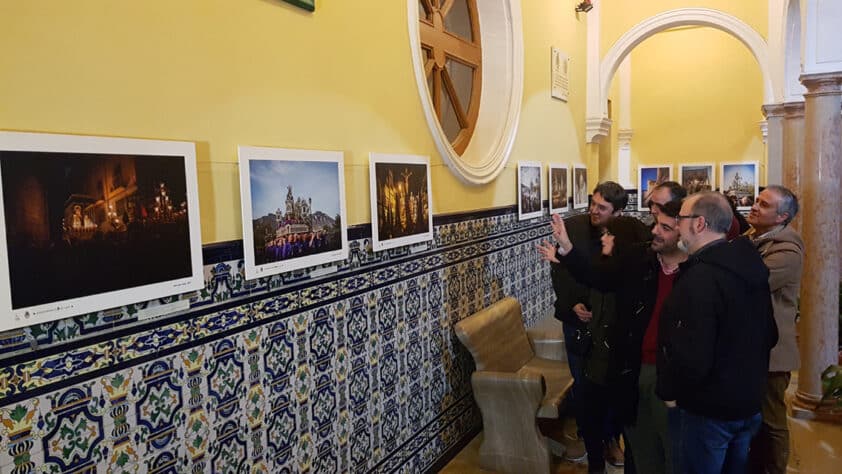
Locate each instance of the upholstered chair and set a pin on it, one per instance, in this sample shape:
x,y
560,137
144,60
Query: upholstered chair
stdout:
x,y
513,386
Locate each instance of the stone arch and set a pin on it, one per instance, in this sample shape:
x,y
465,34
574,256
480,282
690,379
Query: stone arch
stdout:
x,y
677,18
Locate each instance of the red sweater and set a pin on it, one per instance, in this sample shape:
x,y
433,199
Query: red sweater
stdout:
x,y
650,338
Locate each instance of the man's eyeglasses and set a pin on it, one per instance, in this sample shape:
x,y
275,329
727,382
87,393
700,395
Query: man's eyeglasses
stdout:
x,y
688,216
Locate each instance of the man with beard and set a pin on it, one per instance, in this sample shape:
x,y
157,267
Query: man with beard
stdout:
x,y
586,310
714,339
642,276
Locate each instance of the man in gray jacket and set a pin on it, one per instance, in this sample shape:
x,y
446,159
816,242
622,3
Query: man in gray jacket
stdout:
x,y
782,251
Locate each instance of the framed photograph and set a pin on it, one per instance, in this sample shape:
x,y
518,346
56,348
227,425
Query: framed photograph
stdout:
x,y
739,183
92,223
648,178
293,209
580,187
559,184
401,200
698,177
529,189
309,5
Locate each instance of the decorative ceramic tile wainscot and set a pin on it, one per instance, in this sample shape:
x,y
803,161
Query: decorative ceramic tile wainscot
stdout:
x,y
355,371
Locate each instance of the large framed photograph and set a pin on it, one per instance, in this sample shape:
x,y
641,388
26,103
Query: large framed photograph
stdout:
x,y
698,177
580,187
91,223
739,183
401,200
529,189
648,178
293,209
559,181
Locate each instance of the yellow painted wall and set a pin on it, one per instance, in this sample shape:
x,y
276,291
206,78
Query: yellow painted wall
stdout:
x,y
223,73
696,97
618,16
696,92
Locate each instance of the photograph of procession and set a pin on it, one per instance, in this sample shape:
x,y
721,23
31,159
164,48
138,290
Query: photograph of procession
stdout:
x,y
293,209
648,178
529,189
580,187
739,184
697,178
83,223
558,179
401,210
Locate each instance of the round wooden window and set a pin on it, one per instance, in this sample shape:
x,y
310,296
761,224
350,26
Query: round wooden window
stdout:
x,y
452,57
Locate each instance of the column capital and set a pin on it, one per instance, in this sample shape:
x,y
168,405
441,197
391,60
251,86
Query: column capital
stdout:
x,y
597,128
773,110
625,134
826,83
793,109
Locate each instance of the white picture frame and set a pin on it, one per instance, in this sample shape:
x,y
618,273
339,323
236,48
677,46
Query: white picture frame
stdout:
x,y
740,181
124,211
392,224
293,205
580,186
558,186
648,177
697,177
529,190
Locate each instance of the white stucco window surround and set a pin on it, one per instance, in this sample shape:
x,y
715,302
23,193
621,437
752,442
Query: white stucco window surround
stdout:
x,y
501,36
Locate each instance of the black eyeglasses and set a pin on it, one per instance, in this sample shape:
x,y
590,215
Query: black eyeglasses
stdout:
x,y
688,216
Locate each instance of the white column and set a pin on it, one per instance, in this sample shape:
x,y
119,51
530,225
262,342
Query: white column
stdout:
x,y
773,137
624,135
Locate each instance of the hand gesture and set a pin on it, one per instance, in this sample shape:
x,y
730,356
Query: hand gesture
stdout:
x,y
582,312
607,240
560,234
547,251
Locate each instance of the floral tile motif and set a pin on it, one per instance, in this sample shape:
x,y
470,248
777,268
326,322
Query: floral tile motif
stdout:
x,y
73,431
356,372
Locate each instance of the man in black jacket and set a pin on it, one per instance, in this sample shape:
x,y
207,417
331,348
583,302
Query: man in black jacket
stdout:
x,y
717,328
642,275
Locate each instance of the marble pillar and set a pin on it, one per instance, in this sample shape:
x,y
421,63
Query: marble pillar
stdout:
x,y
793,151
773,135
821,195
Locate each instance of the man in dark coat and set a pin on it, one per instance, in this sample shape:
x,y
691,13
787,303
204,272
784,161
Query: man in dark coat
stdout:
x,y
641,275
716,332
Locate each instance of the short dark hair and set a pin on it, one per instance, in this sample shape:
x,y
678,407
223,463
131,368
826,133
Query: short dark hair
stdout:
x,y
716,210
672,208
613,193
677,192
788,204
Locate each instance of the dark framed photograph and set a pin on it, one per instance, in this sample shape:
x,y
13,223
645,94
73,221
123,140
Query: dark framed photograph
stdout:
x,y
698,177
92,223
559,180
401,205
293,209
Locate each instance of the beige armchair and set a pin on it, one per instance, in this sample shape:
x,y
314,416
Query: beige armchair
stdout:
x,y
512,386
